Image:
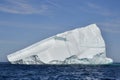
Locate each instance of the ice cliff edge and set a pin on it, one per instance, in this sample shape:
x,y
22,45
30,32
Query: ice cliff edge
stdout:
x,y
79,46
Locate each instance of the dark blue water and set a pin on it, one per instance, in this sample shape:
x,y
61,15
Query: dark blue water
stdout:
x,y
59,72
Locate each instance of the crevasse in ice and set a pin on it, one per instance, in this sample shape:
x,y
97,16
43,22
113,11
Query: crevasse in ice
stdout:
x,y
79,46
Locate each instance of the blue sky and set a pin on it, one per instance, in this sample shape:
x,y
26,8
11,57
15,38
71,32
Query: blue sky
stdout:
x,y
24,22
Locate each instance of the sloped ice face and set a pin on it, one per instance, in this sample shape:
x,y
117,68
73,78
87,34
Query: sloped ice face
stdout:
x,y
79,46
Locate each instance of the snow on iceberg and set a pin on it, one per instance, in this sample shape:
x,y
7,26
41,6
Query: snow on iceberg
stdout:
x,y
79,46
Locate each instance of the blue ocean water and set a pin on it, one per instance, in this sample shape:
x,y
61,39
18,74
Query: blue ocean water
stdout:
x,y
59,72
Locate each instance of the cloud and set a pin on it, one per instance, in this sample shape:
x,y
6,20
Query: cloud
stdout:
x,y
8,42
53,3
22,7
112,26
31,27
97,9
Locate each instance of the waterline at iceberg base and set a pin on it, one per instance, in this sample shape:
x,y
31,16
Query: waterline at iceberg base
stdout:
x,y
79,46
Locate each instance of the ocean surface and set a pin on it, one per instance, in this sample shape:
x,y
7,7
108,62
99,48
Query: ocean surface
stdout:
x,y
59,72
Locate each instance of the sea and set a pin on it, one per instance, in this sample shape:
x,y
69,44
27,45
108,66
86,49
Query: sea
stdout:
x,y
59,72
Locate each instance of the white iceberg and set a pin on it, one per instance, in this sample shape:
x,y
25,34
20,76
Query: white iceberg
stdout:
x,y
79,46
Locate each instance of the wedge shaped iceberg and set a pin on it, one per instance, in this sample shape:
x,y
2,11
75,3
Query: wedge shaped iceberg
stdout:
x,y
79,46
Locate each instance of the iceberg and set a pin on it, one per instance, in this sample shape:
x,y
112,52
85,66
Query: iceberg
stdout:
x,y
83,45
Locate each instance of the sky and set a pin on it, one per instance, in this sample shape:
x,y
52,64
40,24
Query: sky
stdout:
x,y
24,22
